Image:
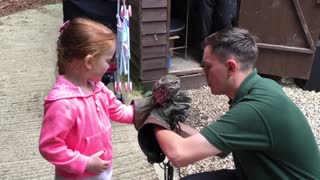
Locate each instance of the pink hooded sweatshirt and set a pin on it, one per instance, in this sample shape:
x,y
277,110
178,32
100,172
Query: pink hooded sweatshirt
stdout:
x,y
75,126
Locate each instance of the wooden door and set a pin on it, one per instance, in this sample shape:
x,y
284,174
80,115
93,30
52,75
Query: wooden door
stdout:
x,y
287,32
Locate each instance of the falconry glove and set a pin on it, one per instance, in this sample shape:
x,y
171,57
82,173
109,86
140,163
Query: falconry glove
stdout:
x,y
167,117
170,107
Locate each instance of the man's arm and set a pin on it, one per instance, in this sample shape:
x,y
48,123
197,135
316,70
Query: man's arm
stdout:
x,y
183,151
186,130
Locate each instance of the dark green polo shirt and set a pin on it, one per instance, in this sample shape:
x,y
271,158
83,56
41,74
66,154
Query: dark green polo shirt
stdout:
x,y
268,135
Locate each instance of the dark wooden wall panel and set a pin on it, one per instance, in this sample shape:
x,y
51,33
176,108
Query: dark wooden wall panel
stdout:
x,y
153,52
154,40
156,63
153,74
147,75
287,31
153,28
274,22
311,11
154,3
152,15
286,64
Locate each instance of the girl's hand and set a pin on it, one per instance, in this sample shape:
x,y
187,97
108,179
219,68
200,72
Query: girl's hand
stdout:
x,y
97,165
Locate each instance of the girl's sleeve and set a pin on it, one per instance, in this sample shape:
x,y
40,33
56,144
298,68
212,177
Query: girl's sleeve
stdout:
x,y
117,110
59,117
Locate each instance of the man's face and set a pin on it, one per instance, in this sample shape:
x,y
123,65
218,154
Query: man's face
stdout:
x,y
215,72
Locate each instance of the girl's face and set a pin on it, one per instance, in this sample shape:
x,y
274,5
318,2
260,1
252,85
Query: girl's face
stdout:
x,y
101,65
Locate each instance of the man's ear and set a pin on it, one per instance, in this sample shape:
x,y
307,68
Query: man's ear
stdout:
x,y
88,61
232,66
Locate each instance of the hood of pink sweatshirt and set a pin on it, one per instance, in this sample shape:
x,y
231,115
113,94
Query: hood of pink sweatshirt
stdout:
x,y
76,126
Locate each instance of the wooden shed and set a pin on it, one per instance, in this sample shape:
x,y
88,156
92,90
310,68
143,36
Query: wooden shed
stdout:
x,y
288,32
149,33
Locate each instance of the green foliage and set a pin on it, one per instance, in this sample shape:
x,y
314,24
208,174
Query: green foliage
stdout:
x,y
147,94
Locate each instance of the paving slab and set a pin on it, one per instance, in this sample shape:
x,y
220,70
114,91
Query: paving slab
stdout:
x,y
27,72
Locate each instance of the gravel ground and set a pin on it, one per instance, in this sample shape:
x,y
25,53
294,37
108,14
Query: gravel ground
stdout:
x,y
206,110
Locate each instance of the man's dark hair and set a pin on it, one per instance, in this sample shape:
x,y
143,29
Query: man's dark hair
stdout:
x,y
234,43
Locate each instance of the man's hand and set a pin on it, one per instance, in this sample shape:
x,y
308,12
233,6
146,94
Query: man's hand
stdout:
x,y
96,164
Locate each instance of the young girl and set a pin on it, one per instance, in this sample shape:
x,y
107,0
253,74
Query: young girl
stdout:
x,y
76,130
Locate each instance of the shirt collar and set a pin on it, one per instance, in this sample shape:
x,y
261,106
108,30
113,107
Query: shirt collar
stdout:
x,y
245,86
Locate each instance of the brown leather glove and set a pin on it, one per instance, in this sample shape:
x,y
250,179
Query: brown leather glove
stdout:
x,y
166,107
142,109
167,117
